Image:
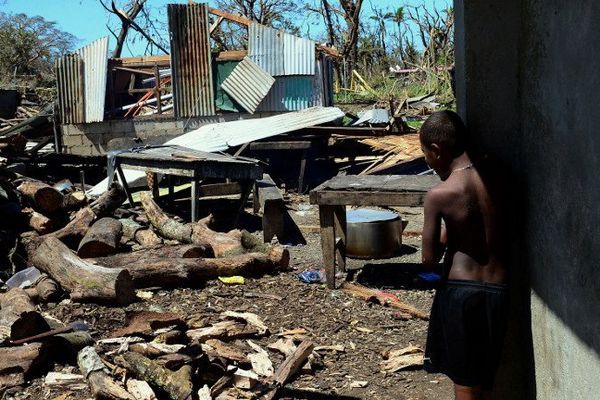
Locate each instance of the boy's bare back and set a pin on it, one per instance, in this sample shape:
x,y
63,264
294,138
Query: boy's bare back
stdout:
x,y
470,208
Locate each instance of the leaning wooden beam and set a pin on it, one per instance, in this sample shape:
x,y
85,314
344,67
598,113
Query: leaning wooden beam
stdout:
x,y
245,21
101,384
290,367
177,385
84,281
183,272
376,295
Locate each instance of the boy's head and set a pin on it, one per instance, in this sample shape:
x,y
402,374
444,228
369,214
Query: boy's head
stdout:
x,y
443,138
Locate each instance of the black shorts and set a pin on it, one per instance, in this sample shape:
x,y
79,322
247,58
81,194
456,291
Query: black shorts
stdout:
x,y
466,332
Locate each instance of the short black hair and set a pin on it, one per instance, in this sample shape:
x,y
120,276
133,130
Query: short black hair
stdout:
x,y
446,129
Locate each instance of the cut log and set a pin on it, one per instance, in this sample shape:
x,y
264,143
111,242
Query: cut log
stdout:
x,y
38,222
18,318
137,232
123,260
101,239
43,196
100,382
222,243
19,364
44,290
383,299
289,367
72,233
177,385
84,281
185,272
109,201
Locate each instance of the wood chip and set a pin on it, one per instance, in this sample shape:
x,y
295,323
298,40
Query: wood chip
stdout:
x,y
261,363
250,318
397,360
140,390
359,384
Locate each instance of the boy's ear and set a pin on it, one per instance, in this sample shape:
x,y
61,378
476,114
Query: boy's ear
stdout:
x,y
436,150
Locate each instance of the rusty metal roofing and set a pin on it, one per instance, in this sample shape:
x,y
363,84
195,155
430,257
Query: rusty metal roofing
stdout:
x,y
95,67
191,60
248,84
265,48
223,135
69,85
280,53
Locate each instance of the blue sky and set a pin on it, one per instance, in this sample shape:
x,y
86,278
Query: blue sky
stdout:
x,y
87,20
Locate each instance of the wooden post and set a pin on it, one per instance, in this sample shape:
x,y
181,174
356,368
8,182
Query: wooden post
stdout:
x,y
340,233
328,242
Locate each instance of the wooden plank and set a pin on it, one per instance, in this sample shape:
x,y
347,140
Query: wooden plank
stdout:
x,y
380,183
347,131
231,17
231,55
280,145
356,198
146,61
220,189
328,242
290,366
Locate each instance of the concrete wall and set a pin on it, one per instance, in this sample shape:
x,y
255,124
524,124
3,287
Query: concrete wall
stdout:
x,y
94,138
529,90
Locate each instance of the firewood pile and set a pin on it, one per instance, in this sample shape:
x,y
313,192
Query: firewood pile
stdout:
x,y
95,251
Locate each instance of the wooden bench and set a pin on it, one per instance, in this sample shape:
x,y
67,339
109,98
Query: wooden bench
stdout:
x,y
268,197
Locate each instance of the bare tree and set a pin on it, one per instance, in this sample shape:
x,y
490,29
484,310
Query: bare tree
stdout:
x,y
435,32
127,17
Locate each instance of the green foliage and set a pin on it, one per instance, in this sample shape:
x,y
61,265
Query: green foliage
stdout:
x,y
28,47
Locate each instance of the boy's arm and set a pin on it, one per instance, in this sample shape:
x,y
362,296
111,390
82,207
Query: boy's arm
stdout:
x,y
432,247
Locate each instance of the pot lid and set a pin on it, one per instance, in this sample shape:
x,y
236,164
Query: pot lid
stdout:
x,y
366,215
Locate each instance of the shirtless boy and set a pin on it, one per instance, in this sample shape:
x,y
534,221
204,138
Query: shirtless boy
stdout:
x,y
463,219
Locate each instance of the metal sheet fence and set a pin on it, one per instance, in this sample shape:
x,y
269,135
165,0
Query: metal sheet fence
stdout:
x,y
95,64
69,83
191,60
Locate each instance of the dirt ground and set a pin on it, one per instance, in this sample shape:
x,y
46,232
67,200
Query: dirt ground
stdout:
x,y
330,317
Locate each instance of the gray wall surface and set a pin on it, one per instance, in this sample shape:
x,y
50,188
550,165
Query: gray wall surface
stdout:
x,y
529,89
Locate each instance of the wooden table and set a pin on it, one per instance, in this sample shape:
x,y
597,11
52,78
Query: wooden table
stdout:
x,y
333,196
197,165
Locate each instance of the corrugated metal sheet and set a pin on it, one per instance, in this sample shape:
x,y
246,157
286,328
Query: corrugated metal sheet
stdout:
x,y
95,67
221,136
293,93
280,53
298,55
191,60
69,85
265,48
373,116
248,84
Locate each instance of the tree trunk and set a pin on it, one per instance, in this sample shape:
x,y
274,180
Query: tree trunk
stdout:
x,y
101,384
177,385
18,316
125,24
43,196
184,272
84,281
101,239
18,364
123,260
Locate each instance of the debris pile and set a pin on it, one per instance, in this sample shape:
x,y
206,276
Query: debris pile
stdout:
x,y
60,244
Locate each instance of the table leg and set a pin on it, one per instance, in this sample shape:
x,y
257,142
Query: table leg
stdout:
x,y
340,233
124,183
302,171
195,199
328,242
171,188
246,187
155,188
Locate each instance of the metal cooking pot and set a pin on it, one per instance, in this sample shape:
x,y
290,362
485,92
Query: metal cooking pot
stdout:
x,y
373,233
